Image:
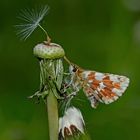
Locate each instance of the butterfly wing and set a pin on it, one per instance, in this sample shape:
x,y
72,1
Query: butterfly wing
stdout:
x,y
103,87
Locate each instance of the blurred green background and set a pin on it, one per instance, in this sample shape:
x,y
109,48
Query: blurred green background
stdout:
x,y
99,35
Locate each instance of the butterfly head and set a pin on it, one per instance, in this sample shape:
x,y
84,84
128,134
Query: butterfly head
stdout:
x,y
73,68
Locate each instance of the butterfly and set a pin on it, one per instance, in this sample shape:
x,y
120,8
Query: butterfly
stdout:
x,y
98,87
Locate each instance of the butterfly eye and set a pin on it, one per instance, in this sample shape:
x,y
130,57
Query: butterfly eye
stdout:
x,y
74,69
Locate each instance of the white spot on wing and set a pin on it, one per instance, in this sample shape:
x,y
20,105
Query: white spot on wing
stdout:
x,y
107,100
90,81
99,76
102,86
125,82
115,97
86,73
117,91
114,78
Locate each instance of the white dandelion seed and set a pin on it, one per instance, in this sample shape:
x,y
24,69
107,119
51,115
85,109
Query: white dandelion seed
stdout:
x,y
31,19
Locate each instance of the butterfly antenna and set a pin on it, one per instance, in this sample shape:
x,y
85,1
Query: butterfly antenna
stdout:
x,y
68,61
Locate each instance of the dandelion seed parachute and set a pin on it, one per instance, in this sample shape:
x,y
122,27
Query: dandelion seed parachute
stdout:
x,y
31,20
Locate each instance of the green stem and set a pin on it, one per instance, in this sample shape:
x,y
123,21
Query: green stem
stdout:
x,y
52,115
51,75
47,77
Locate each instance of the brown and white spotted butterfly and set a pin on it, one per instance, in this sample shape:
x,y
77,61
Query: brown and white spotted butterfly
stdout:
x,y
98,87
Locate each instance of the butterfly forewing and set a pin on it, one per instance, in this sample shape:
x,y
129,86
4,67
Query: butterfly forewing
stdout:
x,y
103,87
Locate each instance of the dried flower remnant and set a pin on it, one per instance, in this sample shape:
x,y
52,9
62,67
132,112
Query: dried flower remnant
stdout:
x,y
71,123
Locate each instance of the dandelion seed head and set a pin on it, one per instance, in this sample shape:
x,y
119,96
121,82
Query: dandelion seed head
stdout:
x,y
31,20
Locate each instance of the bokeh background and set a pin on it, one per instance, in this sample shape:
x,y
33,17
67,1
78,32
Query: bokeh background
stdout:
x,y
100,35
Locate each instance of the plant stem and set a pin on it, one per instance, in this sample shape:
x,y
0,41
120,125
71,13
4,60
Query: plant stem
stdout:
x,y
52,116
51,75
48,38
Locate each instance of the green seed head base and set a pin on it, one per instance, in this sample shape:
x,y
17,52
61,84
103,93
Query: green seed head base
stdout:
x,y
48,51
